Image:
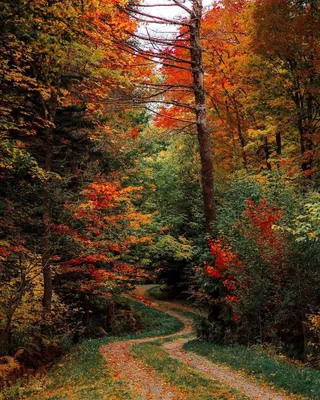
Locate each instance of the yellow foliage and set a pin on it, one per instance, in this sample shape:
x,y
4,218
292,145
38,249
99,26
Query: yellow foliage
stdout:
x,y
7,366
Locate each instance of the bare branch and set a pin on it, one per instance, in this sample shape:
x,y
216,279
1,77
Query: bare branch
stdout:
x,y
182,129
171,102
166,42
169,85
161,20
172,118
156,5
147,100
185,8
149,56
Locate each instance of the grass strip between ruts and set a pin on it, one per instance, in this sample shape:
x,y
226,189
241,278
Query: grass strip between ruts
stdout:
x,y
190,384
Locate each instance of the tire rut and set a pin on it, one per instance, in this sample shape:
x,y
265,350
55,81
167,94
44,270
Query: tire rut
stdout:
x,y
146,382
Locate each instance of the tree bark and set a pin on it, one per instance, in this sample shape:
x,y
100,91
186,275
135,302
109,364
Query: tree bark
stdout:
x,y
242,142
193,34
278,143
266,152
305,128
206,156
50,112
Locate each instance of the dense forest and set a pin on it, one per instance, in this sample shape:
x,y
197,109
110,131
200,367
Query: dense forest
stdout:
x,y
139,147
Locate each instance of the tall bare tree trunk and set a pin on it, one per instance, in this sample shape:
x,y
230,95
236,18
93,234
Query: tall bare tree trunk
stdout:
x,y
192,24
206,156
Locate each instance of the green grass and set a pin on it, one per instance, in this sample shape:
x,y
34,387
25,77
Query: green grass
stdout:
x,y
156,322
158,294
190,384
83,373
281,374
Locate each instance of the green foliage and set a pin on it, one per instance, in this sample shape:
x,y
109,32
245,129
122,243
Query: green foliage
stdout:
x,y
170,248
168,168
306,226
158,293
53,64
313,344
274,284
254,361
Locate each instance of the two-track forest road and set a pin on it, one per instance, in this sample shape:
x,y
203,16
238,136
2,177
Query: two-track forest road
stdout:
x,y
148,384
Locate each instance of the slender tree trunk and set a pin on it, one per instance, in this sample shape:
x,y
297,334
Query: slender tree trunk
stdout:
x,y
304,122
111,316
46,217
206,156
14,301
278,143
50,112
242,142
266,152
278,148
5,337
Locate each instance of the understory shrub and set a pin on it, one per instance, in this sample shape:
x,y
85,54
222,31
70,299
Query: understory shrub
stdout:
x,y
262,279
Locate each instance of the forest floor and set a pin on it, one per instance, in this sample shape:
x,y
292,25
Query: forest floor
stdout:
x,y
163,362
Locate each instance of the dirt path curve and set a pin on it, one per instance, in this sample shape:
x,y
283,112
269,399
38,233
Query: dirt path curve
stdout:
x,y
149,385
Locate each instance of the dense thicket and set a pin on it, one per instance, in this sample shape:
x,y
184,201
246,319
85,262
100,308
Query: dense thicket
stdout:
x,y
67,222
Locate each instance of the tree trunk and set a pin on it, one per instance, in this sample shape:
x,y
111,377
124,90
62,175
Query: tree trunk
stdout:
x,y
5,337
278,143
207,173
242,141
266,152
111,316
46,269
304,122
50,112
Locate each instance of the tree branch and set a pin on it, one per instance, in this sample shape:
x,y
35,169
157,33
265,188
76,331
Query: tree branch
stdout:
x,y
161,20
167,116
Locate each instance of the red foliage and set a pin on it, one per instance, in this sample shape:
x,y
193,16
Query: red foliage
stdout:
x,y
144,300
103,228
226,264
258,227
261,231
214,273
225,257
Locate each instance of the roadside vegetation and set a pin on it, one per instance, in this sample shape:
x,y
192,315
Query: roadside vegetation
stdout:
x,y
274,369
83,373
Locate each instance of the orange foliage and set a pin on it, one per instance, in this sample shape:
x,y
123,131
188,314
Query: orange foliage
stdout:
x,y
104,227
